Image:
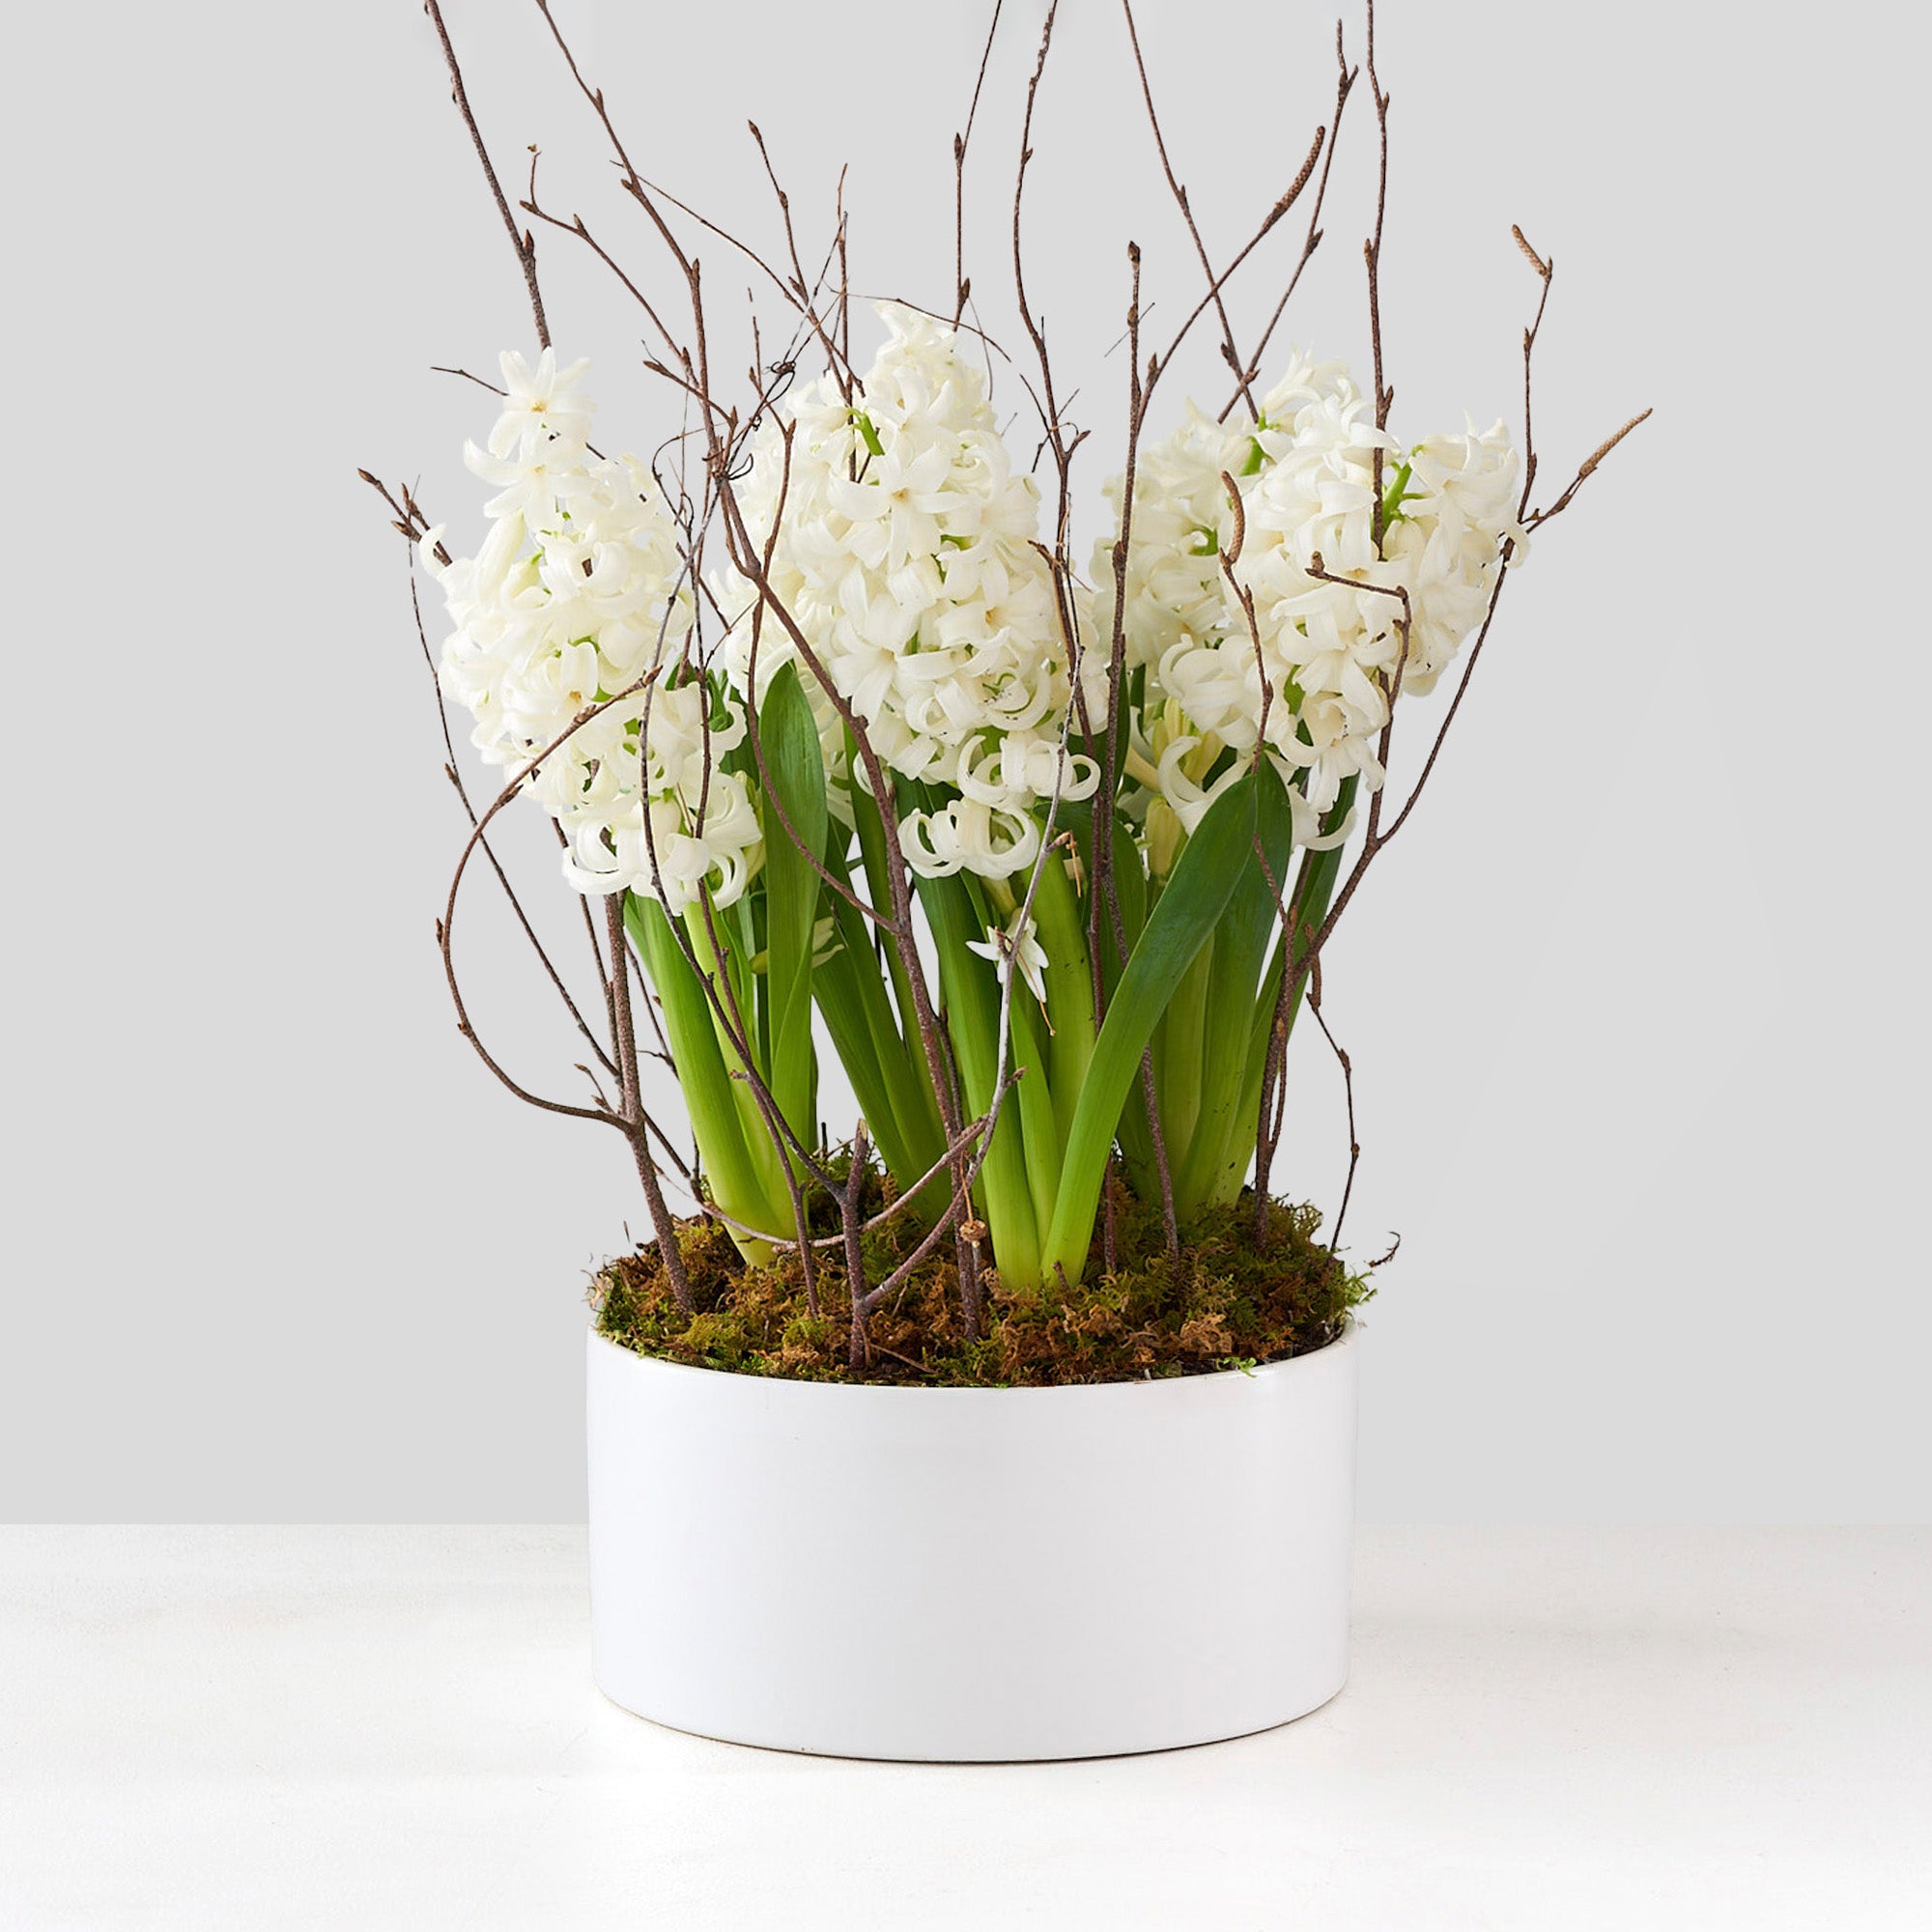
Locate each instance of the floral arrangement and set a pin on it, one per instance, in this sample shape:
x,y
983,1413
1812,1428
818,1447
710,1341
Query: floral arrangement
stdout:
x,y
848,747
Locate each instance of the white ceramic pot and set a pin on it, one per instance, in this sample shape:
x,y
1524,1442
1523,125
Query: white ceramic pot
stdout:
x,y
971,1574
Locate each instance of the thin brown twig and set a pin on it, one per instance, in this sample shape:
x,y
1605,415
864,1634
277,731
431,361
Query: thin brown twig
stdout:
x,y
1219,282
842,371
578,227
1349,1095
406,517
455,777
444,369
975,1131
446,927
525,244
1584,472
963,285
1312,241
857,1352
1371,253
1232,355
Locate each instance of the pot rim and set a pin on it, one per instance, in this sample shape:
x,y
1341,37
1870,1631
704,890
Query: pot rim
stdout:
x,y
1351,1328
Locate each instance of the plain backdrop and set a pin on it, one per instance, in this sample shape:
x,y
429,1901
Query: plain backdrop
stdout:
x,y
1636,1004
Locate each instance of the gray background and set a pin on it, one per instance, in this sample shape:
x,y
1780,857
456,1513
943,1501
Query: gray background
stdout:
x,y
1636,1004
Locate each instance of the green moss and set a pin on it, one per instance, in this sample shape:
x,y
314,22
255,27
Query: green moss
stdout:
x,y
1236,1302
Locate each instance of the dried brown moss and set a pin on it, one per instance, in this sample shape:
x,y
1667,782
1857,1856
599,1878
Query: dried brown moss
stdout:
x,y
1235,1302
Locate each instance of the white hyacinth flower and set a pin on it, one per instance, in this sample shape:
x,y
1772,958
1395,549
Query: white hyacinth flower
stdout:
x,y
1016,944
1314,674
905,554
577,595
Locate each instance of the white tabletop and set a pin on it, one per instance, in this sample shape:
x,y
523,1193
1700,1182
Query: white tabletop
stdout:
x,y
371,1727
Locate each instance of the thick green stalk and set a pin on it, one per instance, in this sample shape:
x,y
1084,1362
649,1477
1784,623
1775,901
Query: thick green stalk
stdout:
x,y
1069,988
994,904
895,1100
1032,1095
742,1176
724,974
972,1004
877,860
1313,890
1228,1005
1130,888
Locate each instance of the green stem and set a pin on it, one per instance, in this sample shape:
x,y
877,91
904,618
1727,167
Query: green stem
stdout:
x,y
851,994
877,859
759,1140
1032,1095
1069,988
1240,946
737,1182
1131,889
971,997
1314,888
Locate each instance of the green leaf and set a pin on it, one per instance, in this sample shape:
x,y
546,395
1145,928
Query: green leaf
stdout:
x,y
1203,881
795,768
1179,1051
